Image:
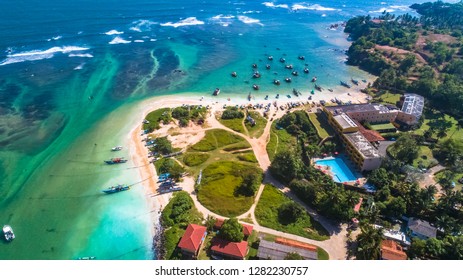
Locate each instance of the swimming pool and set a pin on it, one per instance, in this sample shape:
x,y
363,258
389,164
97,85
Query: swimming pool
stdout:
x,y
341,172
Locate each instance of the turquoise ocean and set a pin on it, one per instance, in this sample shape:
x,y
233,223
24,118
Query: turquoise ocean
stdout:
x,y
73,73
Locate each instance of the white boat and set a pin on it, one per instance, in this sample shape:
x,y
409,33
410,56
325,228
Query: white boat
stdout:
x,y
117,148
8,233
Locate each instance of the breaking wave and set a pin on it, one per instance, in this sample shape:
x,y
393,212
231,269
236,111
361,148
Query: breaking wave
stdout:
x,y
249,20
114,32
315,7
118,40
39,54
184,22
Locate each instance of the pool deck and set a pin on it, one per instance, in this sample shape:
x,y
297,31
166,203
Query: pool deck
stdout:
x,y
359,182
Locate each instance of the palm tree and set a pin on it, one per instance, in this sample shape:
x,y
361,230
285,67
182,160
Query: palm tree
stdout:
x,y
369,243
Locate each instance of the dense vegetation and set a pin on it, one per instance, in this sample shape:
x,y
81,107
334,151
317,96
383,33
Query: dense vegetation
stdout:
x,y
279,212
429,61
231,230
169,165
157,117
232,113
175,217
187,113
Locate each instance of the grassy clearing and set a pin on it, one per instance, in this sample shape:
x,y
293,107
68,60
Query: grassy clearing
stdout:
x,y
390,98
267,216
214,139
237,146
234,124
194,159
322,254
258,129
156,117
382,126
425,158
217,191
321,125
248,157
280,140
436,121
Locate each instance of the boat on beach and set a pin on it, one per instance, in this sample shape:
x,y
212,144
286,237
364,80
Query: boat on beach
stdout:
x,y
117,188
8,233
345,84
296,92
330,89
117,148
115,161
355,82
312,92
319,88
216,92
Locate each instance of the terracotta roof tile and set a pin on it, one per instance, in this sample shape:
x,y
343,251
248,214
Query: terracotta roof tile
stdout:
x,y
192,238
233,249
390,250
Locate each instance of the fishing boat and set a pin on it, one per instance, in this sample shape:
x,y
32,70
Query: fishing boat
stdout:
x,y
306,70
255,87
294,73
290,66
296,92
282,60
355,82
115,161
270,58
312,92
267,66
277,96
301,57
254,65
266,97
8,233
288,80
364,81
276,82
117,188
117,148
249,97
314,79
345,84
256,75
216,92
234,75
317,87
330,89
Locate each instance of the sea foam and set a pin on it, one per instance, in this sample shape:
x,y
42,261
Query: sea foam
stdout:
x,y
80,55
249,20
272,5
223,20
315,7
119,40
39,54
184,22
142,25
114,32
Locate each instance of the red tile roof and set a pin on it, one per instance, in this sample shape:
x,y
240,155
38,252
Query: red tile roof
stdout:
x,y
236,250
192,238
297,244
247,229
390,250
370,135
357,206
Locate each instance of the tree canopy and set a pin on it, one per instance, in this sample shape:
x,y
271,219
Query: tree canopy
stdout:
x,y
232,230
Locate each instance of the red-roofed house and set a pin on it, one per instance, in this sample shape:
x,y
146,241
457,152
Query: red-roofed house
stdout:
x,y
192,239
247,229
390,250
229,250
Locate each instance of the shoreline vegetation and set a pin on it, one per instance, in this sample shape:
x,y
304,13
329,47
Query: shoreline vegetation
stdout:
x,y
423,177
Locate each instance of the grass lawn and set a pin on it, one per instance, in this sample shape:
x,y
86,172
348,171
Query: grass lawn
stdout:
x,y
194,159
390,98
321,125
256,130
155,117
425,157
160,162
253,244
214,139
437,121
237,146
248,157
234,124
280,140
172,237
267,216
217,191
205,252
382,126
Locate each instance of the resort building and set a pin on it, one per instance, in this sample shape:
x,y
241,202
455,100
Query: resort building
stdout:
x,y
421,229
276,251
192,240
412,109
228,249
346,121
390,250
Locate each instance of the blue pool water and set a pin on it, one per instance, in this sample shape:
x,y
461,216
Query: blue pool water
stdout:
x,y
339,168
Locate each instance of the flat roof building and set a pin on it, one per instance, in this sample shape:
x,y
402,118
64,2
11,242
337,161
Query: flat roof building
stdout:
x,y
361,151
412,108
277,251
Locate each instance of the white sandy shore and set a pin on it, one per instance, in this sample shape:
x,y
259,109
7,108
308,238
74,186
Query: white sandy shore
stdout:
x,y
139,152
